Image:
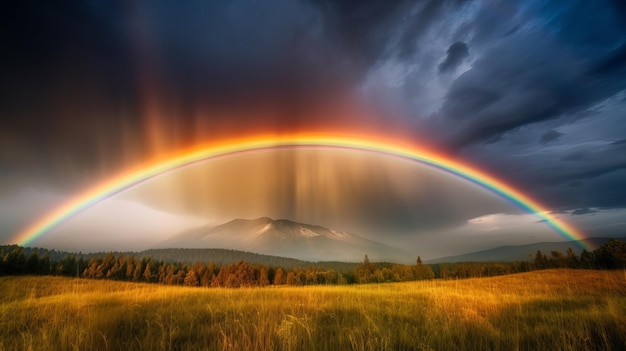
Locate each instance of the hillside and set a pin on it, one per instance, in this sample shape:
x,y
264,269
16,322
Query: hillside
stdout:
x,y
225,256
512,253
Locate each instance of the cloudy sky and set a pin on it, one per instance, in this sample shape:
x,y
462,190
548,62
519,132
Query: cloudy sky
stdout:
x,y
533,92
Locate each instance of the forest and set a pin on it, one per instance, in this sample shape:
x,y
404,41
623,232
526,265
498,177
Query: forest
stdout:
x,y
128,267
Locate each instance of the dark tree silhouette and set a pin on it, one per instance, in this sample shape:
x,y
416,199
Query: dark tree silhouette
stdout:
x,y
611,255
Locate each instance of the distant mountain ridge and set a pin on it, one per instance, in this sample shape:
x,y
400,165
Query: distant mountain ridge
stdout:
x,y
511,253
287,238
225,256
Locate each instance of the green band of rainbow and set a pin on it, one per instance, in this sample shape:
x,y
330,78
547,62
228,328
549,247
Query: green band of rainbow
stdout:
x,y
127,180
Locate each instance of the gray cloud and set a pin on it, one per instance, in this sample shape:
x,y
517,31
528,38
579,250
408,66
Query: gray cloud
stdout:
x,y
619,142
583,211
456,53
549,136
530,76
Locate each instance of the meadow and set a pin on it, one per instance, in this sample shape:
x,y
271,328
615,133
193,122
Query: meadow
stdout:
x,y
558,309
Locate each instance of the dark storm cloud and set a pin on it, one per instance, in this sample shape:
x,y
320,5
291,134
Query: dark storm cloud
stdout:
x,y
364,33
557,78
513,85
533,76
549,136
456,53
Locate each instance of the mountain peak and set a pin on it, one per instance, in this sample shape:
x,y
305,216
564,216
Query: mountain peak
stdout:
x,y
239,221
283,237
260,220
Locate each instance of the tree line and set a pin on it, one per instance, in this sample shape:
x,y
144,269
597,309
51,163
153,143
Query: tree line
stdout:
x,y
611,255
241,274
13,261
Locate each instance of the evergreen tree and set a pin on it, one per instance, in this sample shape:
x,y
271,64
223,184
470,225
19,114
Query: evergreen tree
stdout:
x,y
557,260
540,261
43,266
571,258
140,267
586,259
191,279
444,271
92,268
365,273
32,264
68,266
130,268
263,278
611,255
15,262
423,271
148,274
330,277
279,277
292,279
105,266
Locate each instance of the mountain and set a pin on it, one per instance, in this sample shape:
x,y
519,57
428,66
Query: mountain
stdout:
x,y
521,252
288,239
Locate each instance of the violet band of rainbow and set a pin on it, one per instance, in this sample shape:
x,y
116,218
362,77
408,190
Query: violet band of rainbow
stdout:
x,y
126,180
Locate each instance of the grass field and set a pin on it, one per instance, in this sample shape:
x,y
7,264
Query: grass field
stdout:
x,y
543,310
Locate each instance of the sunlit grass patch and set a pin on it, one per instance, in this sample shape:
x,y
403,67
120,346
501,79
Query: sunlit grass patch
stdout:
x,y
554,309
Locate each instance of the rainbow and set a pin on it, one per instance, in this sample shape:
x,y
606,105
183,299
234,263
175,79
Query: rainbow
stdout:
x,y
132,178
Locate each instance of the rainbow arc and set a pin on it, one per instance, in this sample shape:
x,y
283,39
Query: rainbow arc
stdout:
x,y
129,179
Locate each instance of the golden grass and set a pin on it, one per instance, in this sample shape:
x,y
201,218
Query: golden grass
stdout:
x,y
543,310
